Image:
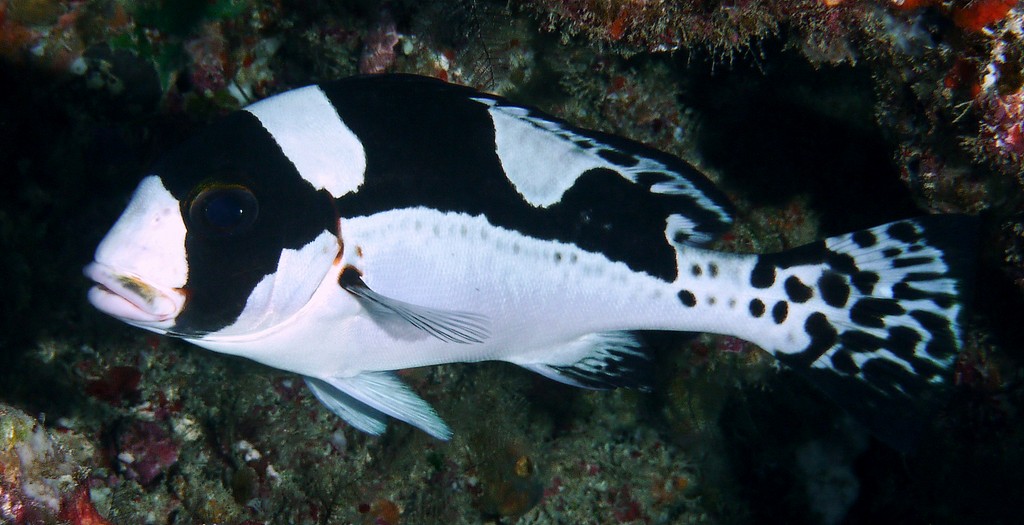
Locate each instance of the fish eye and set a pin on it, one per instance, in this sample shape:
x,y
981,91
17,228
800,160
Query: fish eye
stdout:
x,y
224,210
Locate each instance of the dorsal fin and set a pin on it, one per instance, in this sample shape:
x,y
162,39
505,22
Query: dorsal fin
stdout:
x,y
528,141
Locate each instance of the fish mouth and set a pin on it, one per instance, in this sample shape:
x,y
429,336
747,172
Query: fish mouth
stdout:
x,y
130,298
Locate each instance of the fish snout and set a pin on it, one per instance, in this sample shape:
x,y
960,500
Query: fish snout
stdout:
x,y
131,298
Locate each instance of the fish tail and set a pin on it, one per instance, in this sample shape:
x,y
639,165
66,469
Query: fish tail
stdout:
x,y
874,318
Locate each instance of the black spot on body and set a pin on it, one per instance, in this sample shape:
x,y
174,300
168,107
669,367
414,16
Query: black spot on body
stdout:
x,y
903,341
843,362
763,274
695,270
756,308
922,276
865,282
871,311
930,321
821,331
823,337
942,346
797,291
841,262
713,269
864,238
903,231
943,342
906,262
834,289
780,311
687,298
904,292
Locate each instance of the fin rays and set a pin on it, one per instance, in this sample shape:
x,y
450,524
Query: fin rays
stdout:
x,y
448,326
356,413
599,361
882,330
365,399
706,211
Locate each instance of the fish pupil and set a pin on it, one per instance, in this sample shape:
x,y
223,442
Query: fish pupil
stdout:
x,y
224,211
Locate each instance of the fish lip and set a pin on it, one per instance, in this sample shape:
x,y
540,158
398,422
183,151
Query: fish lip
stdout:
x,y
129,297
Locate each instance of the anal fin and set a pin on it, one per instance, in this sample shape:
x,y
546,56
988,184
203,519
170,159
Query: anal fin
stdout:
x,y
599,361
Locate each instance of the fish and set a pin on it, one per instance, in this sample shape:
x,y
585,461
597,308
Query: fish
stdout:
x,y
347,230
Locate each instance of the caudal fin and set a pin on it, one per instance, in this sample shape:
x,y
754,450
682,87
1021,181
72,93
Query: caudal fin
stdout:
x,y
881,312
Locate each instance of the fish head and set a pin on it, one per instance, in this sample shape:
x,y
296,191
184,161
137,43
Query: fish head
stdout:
x,y
140,268
223,238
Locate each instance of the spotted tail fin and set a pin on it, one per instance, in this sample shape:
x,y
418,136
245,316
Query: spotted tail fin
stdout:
x,y
874,317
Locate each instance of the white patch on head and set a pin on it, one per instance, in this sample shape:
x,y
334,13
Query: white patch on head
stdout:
x,y
280,295
141,261
313,137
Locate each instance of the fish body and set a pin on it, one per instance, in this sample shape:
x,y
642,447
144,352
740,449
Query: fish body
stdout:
x,y
346,230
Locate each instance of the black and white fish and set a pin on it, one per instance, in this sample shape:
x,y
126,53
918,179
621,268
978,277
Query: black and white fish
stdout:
x,y
346,230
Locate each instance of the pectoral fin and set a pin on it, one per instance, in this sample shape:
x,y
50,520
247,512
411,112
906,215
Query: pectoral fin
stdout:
x,y
365,399
448,326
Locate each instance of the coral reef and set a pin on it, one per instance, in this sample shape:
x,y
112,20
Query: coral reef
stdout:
x,y
145,452
43,475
